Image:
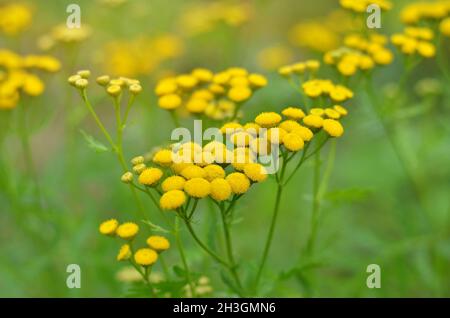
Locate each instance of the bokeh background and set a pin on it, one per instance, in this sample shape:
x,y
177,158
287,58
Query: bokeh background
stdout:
x,y
370,213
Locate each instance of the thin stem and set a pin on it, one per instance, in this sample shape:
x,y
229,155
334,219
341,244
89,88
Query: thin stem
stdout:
x,y
182,255
315,204
174,117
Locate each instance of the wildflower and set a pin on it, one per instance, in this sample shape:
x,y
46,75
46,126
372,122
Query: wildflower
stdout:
x,y
158,243
135,89
166,86
293,113
109,227
163,157
239,94
196,105
14,18
84,73
230,128
172,200
255,172
220,189
444,27
124,252
313,121
103,80
305,133
193,171
341,110
317,111
170,101
312,65
145,257
113,90
197,187
187,81
150,176
213,172
268,119
426,49
33,86
203,74
331,113
289,125
239,182
293,142
127,230
275,135
240,138
127,177
257,80
333,127
173,183
285,71
81,83
138,169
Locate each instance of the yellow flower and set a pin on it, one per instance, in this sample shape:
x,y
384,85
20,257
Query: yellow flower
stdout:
x,y
127,230
172,200
197,187
14,18
289,125
317,111
158,243
239,182
313,121
341,110
173,183
103,80
214,172
163,157
145,257
220,189
193,171
426,49
340,93
333,127
150,176
383,57
346,68
275,135
239,94
170,101
166,86
255,172
203,74
109,227
196,105
127,177
332,113
240,138
285,71
260,146
305,133
33,86
293,113
312,65
268,119
113,90
187,81
257,80
230,128
138,169
293,142
444,27
124,252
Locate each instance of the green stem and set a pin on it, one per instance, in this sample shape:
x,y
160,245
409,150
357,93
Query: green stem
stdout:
x,y
183,256
315,205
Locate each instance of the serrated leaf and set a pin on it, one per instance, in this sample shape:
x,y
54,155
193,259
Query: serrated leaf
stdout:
x,y
93,143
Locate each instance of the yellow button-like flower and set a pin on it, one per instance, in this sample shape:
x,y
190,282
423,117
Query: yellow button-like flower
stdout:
x,y
187,81
257,80
313,121
166,86
197,187
163,157
172,200
170,101
341,110
173,183
293,113
196,105
275,135
333,127
255,172
332,113
304,132
145,257
108,227
150,176
127,230
33,86
340,93
293,142
193,171
239,94
239,182
383,57
289,125
158,243
444,27
231,128
203,74
220,189
268,119
124,252
213,172
426,49
241,138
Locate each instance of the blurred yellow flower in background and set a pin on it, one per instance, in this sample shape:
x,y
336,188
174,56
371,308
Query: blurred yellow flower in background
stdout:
x,y
14,18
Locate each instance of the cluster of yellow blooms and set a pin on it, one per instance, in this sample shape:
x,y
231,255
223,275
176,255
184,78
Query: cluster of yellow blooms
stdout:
x,y
360,53
113,86
14,18
417,12
323,87
146,256
203,18
218,96
272,57
300,68
360,6
141,55
61,34
415,40
16,76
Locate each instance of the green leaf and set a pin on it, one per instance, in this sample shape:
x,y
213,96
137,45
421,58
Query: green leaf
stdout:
x,y
94,143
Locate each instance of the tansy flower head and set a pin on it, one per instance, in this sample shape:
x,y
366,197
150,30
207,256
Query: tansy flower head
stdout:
x,y
257,80
202,74
196,105
289,125
173,183
114,90
127,230
197,187
333,127
127,177
158,243
145,257
124,252
139,168
293,113
293,142
213,172
341,110
103,80
239,94
255,172
332,113
305,133
313,121
172,200
137,160
220,189
170,101
150,176
163,157
239,182
109,227
268,119
230,128
193,171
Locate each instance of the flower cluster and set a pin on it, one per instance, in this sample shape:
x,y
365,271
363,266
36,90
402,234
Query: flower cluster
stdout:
x,y
300,68
217,96
14,18
113,86
360,53
61,34
146,256
415,40
423,11
316,88
18,76
360,6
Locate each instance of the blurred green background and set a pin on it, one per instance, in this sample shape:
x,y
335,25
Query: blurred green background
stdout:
x,y
370,215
